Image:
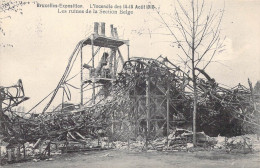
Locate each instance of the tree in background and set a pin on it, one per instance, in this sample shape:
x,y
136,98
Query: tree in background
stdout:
x,y
257,88
256,92
195,29
6,8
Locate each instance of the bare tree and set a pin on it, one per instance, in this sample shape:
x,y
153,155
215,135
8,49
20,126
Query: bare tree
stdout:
x,y
257,87
195,28
6,8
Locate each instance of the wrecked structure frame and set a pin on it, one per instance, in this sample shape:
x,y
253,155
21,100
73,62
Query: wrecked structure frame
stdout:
x,y
145,100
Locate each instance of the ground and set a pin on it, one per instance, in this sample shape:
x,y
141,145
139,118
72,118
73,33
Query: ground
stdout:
x,y
151,159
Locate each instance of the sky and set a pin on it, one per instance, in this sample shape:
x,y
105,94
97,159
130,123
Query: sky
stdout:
x,y
44,39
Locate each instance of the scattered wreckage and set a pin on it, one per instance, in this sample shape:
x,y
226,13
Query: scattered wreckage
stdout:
x,y
145,105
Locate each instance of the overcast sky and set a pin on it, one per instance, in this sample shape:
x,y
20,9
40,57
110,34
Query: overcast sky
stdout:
x,y
43,40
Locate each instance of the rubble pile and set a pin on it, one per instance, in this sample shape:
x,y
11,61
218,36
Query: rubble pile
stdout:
x,y
181,140
149,98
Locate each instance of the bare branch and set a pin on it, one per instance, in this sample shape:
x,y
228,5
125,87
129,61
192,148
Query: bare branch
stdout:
x,y
175,37
185,62
215,38
180,23
185,13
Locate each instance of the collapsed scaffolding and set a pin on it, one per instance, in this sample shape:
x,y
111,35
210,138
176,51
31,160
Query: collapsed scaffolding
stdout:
x,y
144,100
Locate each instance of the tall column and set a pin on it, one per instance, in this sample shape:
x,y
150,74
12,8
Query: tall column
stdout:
x,y
81,76
94,74
128,52
148,110
2,96
135,111
115,64
168,108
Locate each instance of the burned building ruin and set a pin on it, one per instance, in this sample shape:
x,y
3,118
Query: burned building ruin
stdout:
x,y
131,98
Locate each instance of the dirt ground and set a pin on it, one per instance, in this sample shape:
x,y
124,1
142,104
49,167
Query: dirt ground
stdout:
x,y
153,159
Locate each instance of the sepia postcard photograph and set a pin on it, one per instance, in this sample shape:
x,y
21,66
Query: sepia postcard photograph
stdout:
x,y
130,83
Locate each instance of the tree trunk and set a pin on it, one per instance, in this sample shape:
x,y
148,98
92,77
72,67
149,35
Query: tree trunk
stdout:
x,y
194,77
194,110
